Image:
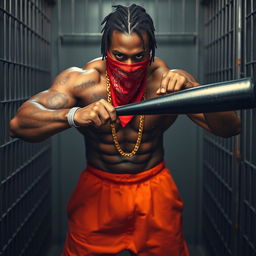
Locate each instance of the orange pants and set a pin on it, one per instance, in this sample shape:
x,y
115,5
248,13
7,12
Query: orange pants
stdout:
x,y
109,213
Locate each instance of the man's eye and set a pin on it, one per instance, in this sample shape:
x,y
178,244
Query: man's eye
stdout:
x,y
139,57
119,56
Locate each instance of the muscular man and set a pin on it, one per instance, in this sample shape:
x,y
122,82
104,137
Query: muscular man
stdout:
x,y
126,198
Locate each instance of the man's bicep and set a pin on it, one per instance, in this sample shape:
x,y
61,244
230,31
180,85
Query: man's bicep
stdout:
x,y
59,95
53,99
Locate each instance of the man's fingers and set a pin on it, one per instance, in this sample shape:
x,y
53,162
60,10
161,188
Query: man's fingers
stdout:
x,y
98,113
180,83
110,109
164,83
172,83
103,114
191,84
94,117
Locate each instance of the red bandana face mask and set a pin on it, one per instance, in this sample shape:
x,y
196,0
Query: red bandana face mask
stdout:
x,y
127,83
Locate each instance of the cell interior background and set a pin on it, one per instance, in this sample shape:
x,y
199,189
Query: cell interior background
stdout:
x,y
214,40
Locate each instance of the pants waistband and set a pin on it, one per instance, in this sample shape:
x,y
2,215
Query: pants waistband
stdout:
x,y
126,178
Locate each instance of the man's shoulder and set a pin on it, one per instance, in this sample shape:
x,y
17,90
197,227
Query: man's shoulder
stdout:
x,y
157,68
158,64
90,72
97,64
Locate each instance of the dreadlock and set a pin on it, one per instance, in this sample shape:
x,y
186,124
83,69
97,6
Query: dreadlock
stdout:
x,y
128,20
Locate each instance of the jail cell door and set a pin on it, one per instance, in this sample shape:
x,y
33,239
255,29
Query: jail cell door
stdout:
x,y
24,167
229,219
247,204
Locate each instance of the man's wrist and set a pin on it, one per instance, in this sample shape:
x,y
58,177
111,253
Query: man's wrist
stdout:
x,y
70,117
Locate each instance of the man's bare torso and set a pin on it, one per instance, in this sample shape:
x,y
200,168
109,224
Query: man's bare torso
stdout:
x,y
100,150
45,114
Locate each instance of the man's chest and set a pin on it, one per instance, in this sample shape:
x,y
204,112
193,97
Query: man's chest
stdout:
x,y
93,92
151,123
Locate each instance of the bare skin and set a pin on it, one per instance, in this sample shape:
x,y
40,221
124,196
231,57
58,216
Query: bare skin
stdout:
x,y
45,114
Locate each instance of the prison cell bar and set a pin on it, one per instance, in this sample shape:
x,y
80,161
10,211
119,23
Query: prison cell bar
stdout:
x,y
20,161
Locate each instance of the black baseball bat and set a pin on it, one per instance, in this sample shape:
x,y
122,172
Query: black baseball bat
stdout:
x,y
215,97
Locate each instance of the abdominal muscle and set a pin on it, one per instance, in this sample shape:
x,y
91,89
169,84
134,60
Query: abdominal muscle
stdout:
x,y
102,154
115,163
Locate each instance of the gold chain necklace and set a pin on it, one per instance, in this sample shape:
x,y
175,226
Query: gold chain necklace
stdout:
x,y
113,128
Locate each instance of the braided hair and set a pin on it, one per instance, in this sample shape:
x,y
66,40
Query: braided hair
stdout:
x,y
128,20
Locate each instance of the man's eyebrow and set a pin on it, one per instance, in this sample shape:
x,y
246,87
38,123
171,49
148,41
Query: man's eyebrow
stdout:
x,y
117,52
142,52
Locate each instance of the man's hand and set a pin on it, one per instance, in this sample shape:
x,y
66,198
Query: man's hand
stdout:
x,y
98,113
174,81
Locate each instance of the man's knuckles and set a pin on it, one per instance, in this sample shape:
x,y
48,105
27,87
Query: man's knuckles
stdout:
x,y
92,114
95,108
172,82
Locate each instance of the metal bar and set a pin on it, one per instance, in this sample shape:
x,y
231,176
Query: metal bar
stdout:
x,y
5,33
9,58
12,100
40,10
28,38
214,36
24,24
30,41
226,42
183,15
170,15
24,222
156,11
25,65
188,37
10,32
5,53
219,146
252,31
73,16
237,139
221,47
198,217
59,18
86,15
31,160
25,37
22,50
230,61
220,179
100,14
37,227
218,36
171,34
222,39
251,136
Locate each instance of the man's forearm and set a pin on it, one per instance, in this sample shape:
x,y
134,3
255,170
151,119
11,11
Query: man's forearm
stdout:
x,y
224,124
34,122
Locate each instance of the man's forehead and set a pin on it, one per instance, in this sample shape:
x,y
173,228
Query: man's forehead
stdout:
x,y
129,40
